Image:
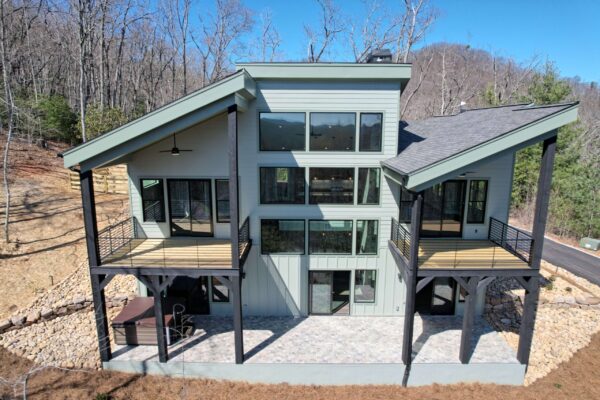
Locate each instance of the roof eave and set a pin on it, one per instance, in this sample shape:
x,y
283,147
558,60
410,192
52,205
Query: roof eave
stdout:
x,y
331,71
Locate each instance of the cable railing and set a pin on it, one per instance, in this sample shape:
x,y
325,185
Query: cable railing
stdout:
x,y
511,239
114,237
401,238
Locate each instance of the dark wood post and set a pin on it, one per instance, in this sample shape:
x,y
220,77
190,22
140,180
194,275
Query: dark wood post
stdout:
x,y
411,283
236,295
468,319
88,202
159,315
539,227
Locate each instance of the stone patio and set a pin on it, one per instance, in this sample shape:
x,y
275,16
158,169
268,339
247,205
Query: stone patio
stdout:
x,y
328,339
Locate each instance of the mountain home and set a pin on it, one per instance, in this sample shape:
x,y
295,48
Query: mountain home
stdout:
x,y
313,236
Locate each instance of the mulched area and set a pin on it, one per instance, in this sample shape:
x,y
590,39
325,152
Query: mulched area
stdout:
x,y
577,379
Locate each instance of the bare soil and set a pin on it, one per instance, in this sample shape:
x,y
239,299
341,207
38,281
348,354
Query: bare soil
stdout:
x,y
576,379
46,225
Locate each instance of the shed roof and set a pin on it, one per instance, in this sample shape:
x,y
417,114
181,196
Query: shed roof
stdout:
x,y
473,134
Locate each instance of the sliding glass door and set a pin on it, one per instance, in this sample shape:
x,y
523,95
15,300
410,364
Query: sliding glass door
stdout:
x,y
190,207
443,207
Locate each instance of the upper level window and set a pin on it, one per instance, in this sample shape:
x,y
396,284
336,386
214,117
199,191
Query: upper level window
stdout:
x,y
153,200
477,201
405,206
282,185
222,192
282,131
282,236
332,131
370,131
330,237
368,185
331,185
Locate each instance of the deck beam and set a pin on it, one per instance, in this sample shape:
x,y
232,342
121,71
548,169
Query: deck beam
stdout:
x,y
88,202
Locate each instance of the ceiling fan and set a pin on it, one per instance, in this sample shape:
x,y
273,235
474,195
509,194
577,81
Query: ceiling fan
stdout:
x,y
175,151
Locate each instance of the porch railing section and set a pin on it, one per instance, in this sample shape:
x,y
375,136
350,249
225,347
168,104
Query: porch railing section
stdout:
x,y
511,239
244,241
114,237
401,238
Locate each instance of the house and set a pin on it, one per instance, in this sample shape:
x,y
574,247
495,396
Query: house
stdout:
x,y
291,190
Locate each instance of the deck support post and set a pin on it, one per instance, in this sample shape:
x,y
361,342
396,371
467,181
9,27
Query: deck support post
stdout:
x,y
411,283
159,315
236,293
468,319
539,227
88,202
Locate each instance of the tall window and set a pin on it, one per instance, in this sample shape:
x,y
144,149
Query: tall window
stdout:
x,y
331,185
330,237
366,236
282,185
368,185
282,236
332,131
364,285
153,200
370,131
222,192
282,131
220,293
477,201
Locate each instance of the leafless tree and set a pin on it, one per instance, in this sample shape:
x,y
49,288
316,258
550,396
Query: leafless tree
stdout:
x,y
376,30
418,17
321,38
269,40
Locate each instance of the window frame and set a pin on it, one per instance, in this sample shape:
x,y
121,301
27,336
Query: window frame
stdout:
x,y
260,183
355,238
373,270
262,252
162,200
351,253
484,201
212,292
217,201
306,130
360,132
357,186
354,186
355,143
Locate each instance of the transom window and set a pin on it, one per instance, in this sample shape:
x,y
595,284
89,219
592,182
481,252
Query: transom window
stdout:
x,y
282,131
331,185
282,185
153,200
330,237
332,131
477,201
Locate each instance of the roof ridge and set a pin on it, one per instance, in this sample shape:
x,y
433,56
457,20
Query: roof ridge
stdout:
x,y
534,107
479,108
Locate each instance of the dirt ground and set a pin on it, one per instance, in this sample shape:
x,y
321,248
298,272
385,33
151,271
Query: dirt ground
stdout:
x,y
576,379
41,202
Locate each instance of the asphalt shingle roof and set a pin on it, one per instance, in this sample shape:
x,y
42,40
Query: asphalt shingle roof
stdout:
x,y
426,142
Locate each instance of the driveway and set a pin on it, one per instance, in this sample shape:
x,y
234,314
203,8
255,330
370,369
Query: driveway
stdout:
x,y
576,261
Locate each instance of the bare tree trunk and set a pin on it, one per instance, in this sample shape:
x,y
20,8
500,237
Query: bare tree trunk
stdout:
x,y
82,61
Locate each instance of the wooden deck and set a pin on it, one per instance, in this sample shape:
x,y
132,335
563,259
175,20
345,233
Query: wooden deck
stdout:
x,y
466,254
172,253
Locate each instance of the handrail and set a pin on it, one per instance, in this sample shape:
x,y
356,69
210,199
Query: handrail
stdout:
x,y
114,237
513,240
244,238
400,236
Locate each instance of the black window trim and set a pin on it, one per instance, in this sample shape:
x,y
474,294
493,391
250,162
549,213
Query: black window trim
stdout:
x,y
354,185
355,238
485,201
164,203
220,221
356,131
306,130
352,249
356,176
359,125
304,225
306,185
354,287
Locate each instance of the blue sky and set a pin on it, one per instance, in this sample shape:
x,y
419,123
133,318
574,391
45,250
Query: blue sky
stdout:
x,y
566,32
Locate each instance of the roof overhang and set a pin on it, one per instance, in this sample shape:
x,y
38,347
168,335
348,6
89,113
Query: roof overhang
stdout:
x,y
509,142
330,71
174,117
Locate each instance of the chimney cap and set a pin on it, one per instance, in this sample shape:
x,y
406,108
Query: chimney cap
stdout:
x,y
379,56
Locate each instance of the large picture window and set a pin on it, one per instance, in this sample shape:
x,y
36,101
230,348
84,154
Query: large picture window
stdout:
x,y
477,201
282,131
222,192
332,131
282,236
368,185
330,237
331,185
370,132
364,285
366,236
153,200
284,185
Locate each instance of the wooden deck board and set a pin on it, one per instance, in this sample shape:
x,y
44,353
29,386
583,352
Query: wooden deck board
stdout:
x,y
172,253
466,254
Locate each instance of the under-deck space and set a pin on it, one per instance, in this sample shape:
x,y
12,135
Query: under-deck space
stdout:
x,y
466,254
171,253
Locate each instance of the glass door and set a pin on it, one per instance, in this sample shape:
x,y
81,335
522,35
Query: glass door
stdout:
x,y
190,207
329,292
443,206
